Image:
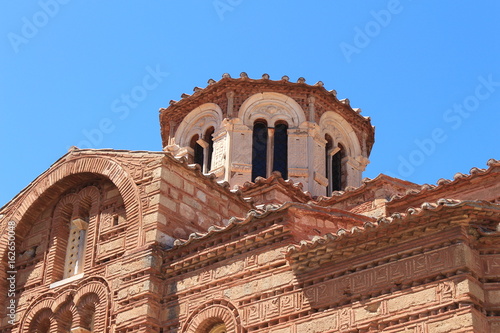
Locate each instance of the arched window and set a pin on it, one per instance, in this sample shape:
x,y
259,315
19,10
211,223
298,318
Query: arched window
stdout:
x,y
197,149
269,149
338,169
328,162
87,309
333,166
203,149
280,155
75,250
72,218
259,149
209,150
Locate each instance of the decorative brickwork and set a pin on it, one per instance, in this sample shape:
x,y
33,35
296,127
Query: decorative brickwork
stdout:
x,y
308,114
121,241
214,313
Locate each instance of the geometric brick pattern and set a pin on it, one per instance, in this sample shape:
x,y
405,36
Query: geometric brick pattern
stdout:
x,y
211,314
170,249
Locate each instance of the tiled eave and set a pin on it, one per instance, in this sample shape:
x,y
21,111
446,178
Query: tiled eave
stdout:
x,y
148,156
444,185
238,236
274,182
345,242
257,229
179,109
368,184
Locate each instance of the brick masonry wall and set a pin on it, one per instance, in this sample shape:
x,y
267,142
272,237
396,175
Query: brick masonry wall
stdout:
x,y
190,203
423,282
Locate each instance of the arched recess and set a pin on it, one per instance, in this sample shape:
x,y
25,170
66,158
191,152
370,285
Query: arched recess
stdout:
x,y
92,296
346,147
334,125
68,307
68,172
64,316
63,213
82,205
271,107
88,205
24,207
43,322
212,314
39,314
197,122
60,302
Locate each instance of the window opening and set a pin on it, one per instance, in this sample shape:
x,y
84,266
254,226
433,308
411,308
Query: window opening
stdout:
x,y
197,150
75,251
280,156
333,166
259,149
209,150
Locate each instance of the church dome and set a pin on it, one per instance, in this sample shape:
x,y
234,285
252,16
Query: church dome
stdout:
x,y
242,128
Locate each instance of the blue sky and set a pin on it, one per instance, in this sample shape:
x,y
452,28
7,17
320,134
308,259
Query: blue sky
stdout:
x,y
426,72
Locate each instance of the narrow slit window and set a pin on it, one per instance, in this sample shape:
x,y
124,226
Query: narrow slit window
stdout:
x,y
280,156
210,148
259,150
197,150
328,163
335,170
75,251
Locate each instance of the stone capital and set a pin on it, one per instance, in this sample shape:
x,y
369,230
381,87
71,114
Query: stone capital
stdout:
x,y
80,224
358,162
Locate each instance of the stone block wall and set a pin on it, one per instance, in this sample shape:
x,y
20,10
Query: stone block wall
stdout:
x,y
430,280
189,202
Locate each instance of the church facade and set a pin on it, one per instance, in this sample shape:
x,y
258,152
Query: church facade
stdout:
x,y
255,217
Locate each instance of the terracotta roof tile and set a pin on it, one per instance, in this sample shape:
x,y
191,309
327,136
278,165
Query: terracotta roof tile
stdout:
x,y
177,110
259,212
367,184
426,189
261,184
432,208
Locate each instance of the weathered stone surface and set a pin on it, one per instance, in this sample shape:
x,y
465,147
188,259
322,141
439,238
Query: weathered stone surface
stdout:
x,y
164,246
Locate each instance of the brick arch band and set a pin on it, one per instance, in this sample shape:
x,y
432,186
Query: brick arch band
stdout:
x,y
103,166
100,292
24,206
71,204
71,298
214,312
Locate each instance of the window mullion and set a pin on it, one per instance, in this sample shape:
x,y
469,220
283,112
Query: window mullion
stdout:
x,y
270,150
